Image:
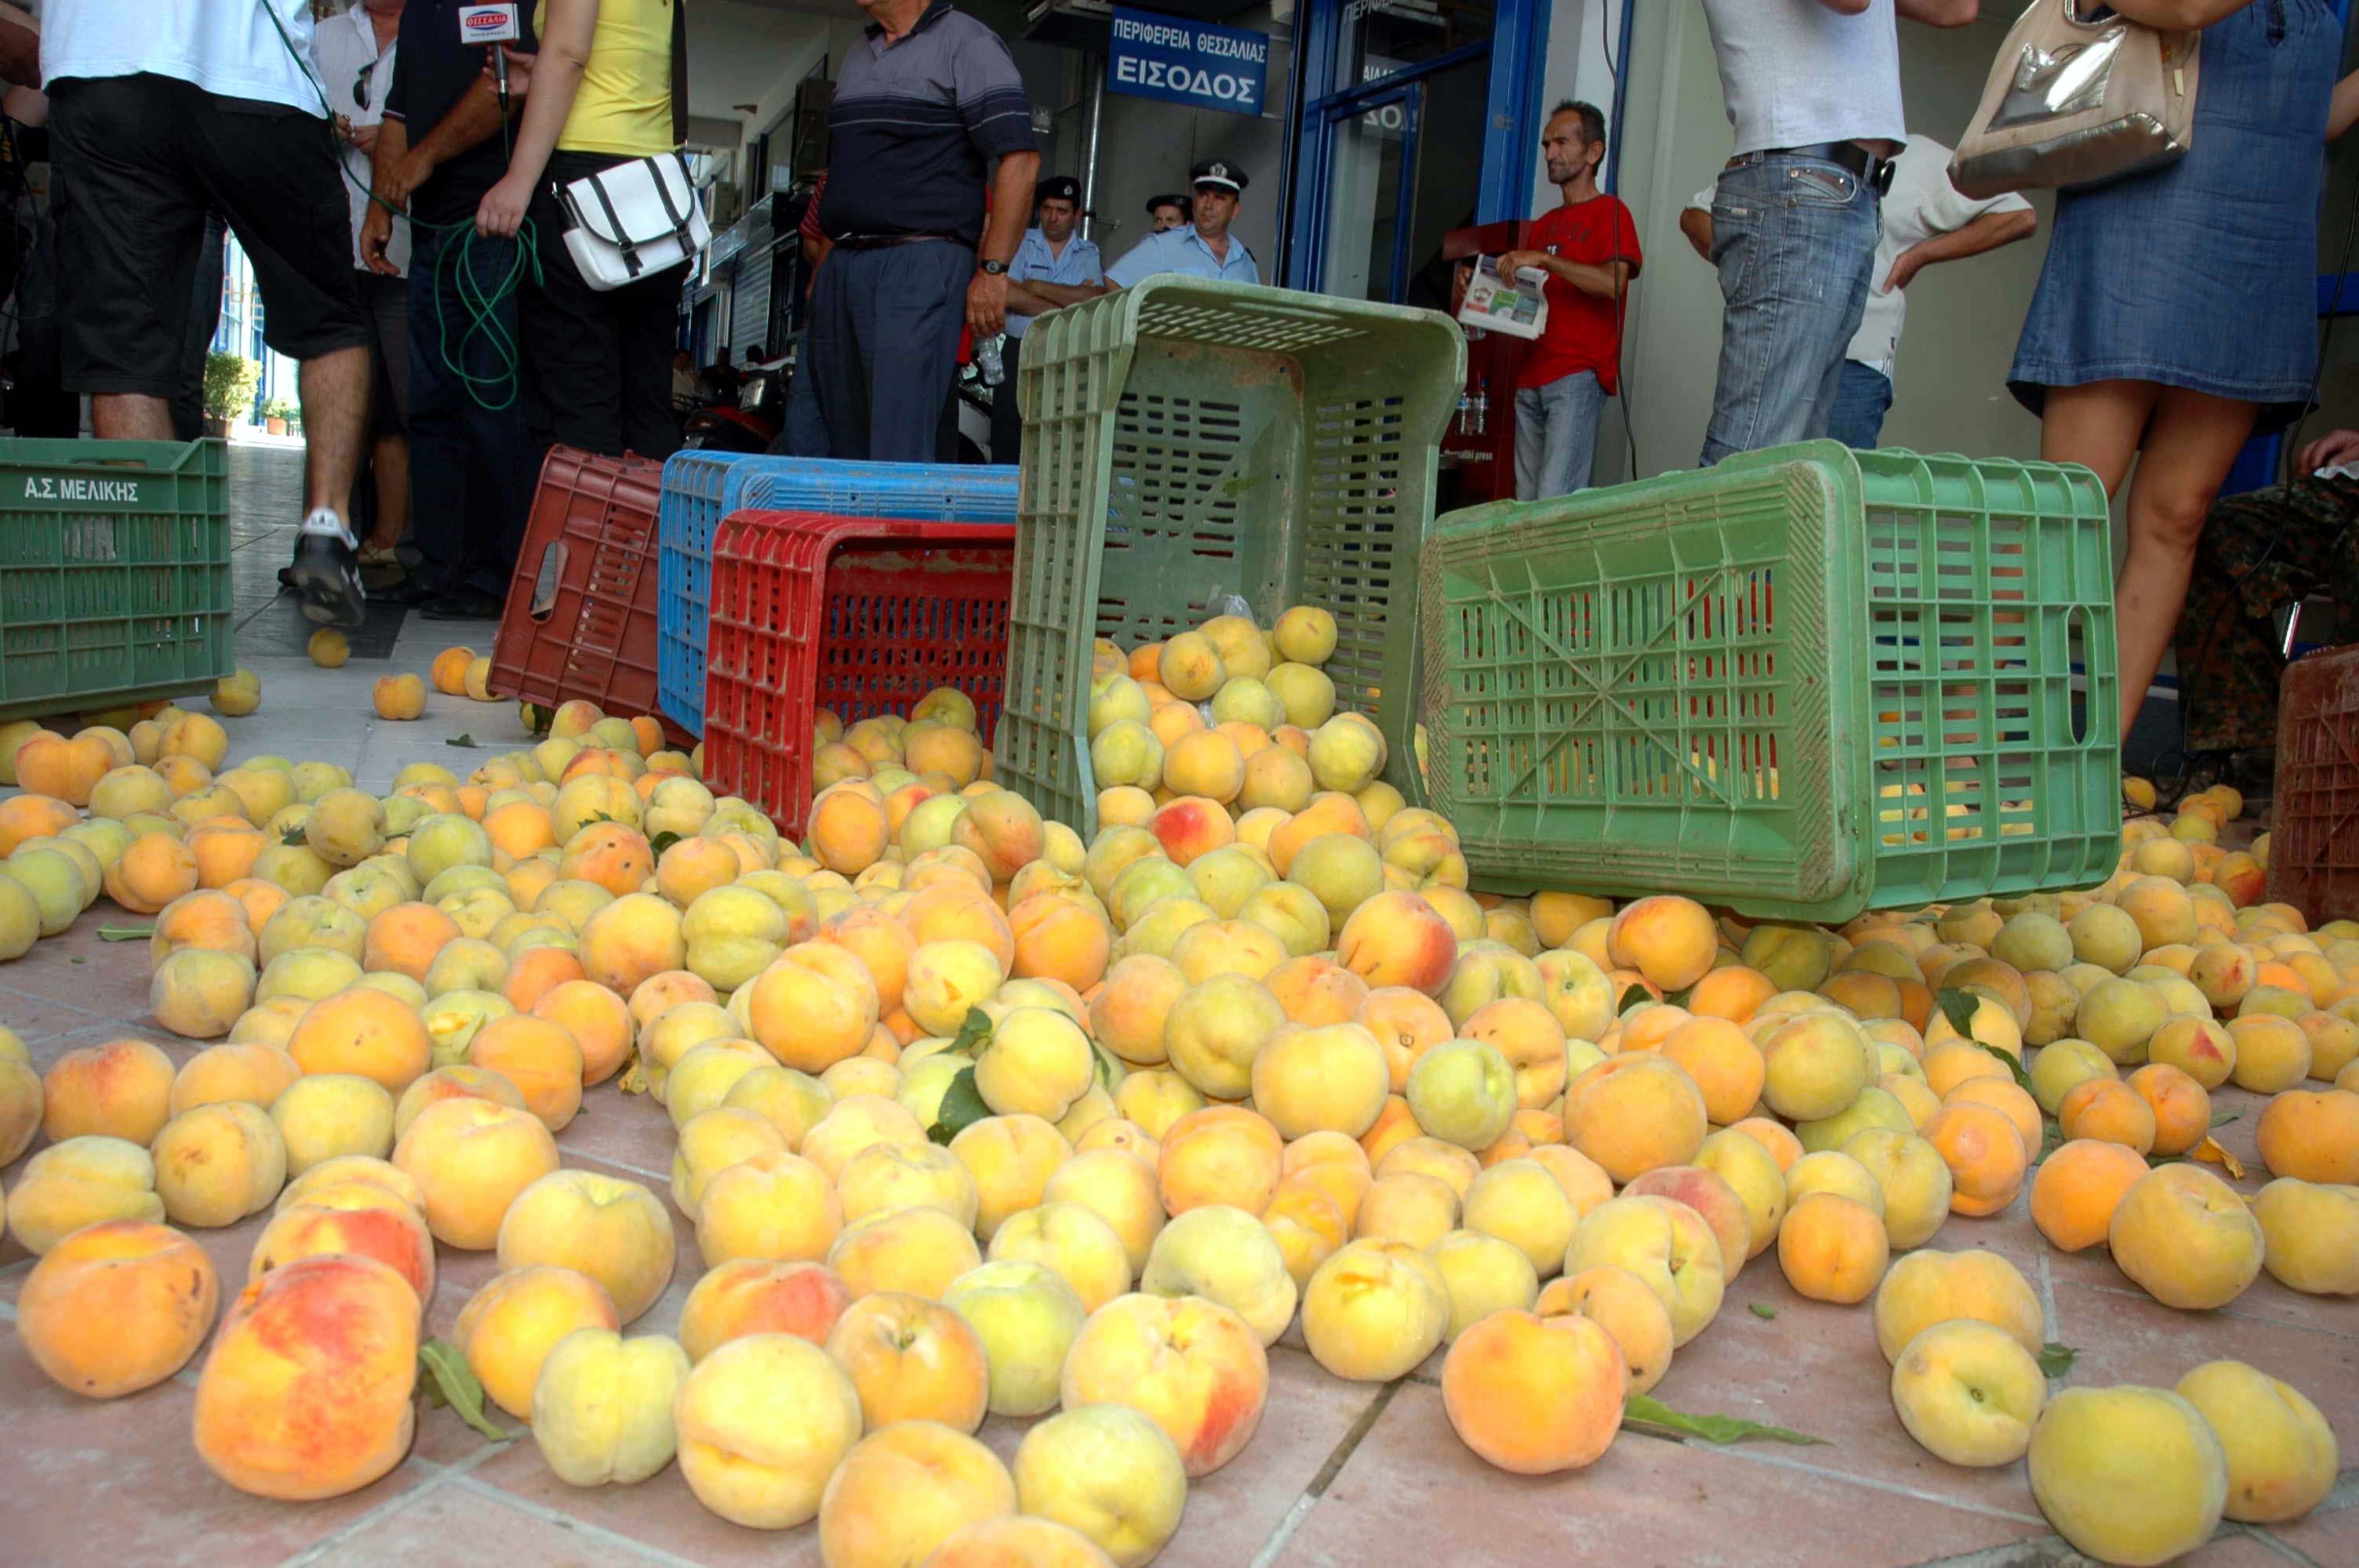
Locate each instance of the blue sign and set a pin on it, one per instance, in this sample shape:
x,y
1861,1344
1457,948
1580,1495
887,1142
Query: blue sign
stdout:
x,y
1180,61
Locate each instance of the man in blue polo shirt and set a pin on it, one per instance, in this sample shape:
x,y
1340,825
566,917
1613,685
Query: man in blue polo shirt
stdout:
x,y
922,103
1053,269
1204,249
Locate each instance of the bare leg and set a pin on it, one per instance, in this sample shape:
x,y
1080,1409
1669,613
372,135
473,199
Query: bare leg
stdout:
x,y
391,464
2098,425
2189,448
130,416
335,394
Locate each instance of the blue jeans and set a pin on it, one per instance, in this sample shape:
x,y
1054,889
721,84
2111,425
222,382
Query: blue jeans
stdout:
x,y
883,338
1795,242
470,474
806,431
1556,435
1863,398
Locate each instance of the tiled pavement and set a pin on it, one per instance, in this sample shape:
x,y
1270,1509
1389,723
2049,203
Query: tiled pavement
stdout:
x,y
1339,1475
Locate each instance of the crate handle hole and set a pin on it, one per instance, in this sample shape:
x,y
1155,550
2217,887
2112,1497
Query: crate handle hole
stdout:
x,y
2076,635
547,579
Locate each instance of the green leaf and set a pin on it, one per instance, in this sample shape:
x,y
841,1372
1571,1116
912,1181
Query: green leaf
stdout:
x,y
961,1109
2052,1139
1959,1006
1636,996
1763,1311
80,960
661,842
973,1033
467,741
2055,1359
2223,1119
1646,1413
450,1381
2014,1064
1679,998
1110,1070
141,934
295,837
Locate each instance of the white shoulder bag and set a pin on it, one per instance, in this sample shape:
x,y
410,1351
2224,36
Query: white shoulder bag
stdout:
x,y
633,219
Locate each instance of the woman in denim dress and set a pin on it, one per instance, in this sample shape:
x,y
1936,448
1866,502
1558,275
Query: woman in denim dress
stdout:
x,y
2177,313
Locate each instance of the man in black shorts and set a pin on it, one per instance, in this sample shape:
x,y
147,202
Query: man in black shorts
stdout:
x,y
158,112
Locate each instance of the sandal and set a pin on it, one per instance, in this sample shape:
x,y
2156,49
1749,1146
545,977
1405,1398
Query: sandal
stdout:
x,y
379,555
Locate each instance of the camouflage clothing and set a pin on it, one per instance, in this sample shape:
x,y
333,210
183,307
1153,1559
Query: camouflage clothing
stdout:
x,y
2259,550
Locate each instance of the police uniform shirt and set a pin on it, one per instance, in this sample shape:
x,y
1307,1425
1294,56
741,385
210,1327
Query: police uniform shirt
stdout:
x,y
1036,260
1183,251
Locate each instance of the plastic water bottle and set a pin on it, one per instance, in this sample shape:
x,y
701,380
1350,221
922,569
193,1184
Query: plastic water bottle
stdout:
x,y
988,358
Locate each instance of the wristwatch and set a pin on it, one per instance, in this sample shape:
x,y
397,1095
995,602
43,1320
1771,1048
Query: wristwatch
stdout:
x,y
994,268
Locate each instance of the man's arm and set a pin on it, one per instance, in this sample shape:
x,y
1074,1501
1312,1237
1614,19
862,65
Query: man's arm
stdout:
x,y
567,31
376,225
1011,209
20,53
2344,110
1696,224
1604,279
2177,14
1987,233
471,120
1056,294
1940,13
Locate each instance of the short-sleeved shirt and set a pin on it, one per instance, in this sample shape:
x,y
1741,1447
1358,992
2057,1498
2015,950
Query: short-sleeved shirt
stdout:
x,y
1035,259
624,104
1183,251
432,71
1798,72
1584,329
350,64
912,125
236,49
1921,204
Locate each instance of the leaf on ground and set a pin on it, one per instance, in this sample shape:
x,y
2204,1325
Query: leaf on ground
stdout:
x,y
2210,1153
961,1109
141,934
467,741
1763,1310
450,1381
2223,1119
2055,1359
80,960
1637,996
1646,1413
634,1078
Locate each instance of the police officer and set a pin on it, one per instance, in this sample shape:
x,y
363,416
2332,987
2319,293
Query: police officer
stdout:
x,y
1170,210
1204,249
1052,268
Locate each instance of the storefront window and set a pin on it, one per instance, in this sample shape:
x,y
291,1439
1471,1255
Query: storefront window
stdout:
x,y
1380,37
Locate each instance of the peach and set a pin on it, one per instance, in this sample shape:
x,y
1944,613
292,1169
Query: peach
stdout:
x,y
910,1358
2077,1189
364,1032
2313,1134
217,1163
851,1124
2312,1234
393,1234
1011,1159
1814,1066
329,1116
903,1489
470,1159
1984,1153
1398,939
919,1251
1374,1310
602,1408
1120,1188
1929,1287
1752,1172
117,1306
741,1460
1219,1155
1520,1202
1968,1392
1535,1395
1626,1307
1107,1472
1484,1275
306,1393
1025,1318
750,1295
1192,1366
2280,1451
1074,1242
2187,1237
614,1230
1214,1029
1223,1254
1632,1114
508,1327
120,1089
1332,1077
256,1073
1833,1248
2127,1475
1665,1243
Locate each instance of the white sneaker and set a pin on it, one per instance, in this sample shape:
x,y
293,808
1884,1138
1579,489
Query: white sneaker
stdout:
x,y
327,571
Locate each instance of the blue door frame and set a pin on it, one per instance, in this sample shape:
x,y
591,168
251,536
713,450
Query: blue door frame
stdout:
x,y
1516,49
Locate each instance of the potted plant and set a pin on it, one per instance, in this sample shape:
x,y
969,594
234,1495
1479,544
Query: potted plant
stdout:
x,y
275,415
230,380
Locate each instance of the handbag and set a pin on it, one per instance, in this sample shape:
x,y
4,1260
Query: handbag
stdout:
x,y
633,219
2078,95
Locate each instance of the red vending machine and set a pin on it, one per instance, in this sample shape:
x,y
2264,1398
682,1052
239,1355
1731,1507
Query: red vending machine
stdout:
x,y
1478,451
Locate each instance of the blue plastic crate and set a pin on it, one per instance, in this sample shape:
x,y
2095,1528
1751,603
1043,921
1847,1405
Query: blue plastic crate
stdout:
x,y
701,488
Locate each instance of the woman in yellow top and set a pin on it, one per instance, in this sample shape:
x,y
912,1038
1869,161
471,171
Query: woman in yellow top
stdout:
x,y
598,364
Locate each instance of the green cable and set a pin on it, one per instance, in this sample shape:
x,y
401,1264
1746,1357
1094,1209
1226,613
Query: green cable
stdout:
x,y
479,298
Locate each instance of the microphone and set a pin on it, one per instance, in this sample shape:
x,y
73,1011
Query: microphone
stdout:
x,y
492,25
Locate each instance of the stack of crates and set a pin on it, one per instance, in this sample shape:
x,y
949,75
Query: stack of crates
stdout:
x,y
701,488
1799,683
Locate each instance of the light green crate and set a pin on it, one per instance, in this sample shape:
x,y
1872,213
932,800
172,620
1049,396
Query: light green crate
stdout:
x,y
1799,683
1185,439
114,577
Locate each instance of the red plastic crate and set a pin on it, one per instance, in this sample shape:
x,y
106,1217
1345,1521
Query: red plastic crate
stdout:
x,y
2314,819
862,615
580,615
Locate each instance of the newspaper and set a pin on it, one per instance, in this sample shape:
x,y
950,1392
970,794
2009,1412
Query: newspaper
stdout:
x,y
1517,305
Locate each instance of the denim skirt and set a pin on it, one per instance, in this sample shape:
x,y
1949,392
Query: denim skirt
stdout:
x,y
2203,274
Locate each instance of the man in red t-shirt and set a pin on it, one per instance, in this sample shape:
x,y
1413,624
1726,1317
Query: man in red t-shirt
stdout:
x,y
1589,248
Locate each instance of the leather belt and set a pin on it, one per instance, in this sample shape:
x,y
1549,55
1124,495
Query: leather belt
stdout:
x,y
887,242
1872,171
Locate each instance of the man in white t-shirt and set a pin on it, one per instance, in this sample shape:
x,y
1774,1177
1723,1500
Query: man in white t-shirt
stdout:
x,y
1926,219
1813,92
159,111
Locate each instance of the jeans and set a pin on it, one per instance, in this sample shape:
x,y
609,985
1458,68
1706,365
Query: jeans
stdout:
x,y
804,433
600,360
471,473
1795,242
1863,396
1556,435
883,336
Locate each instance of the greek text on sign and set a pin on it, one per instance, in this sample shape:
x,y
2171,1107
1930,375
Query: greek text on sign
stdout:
x,y
1180,61
53,487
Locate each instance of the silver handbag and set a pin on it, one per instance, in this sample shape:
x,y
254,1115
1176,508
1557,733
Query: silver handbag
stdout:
x,y
2078,95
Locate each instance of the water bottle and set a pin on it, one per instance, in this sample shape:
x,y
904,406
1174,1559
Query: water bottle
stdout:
x,y
1481,405
986,356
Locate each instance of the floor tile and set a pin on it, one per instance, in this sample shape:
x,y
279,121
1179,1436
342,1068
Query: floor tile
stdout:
x,y
659,1512
494,1529
2126,1338
2330,1537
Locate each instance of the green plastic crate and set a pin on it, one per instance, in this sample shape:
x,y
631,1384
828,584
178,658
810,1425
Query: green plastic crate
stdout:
x,y
114,581
1185,439
1801,683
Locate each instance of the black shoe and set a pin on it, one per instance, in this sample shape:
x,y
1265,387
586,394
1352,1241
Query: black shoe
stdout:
x,y
326,572
463,604
409,593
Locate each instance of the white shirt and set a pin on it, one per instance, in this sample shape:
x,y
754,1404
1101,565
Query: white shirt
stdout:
x,y
1922,204
346,46
1796,73
231,48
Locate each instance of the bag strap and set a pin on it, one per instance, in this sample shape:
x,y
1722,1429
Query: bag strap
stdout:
x,y
622,241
